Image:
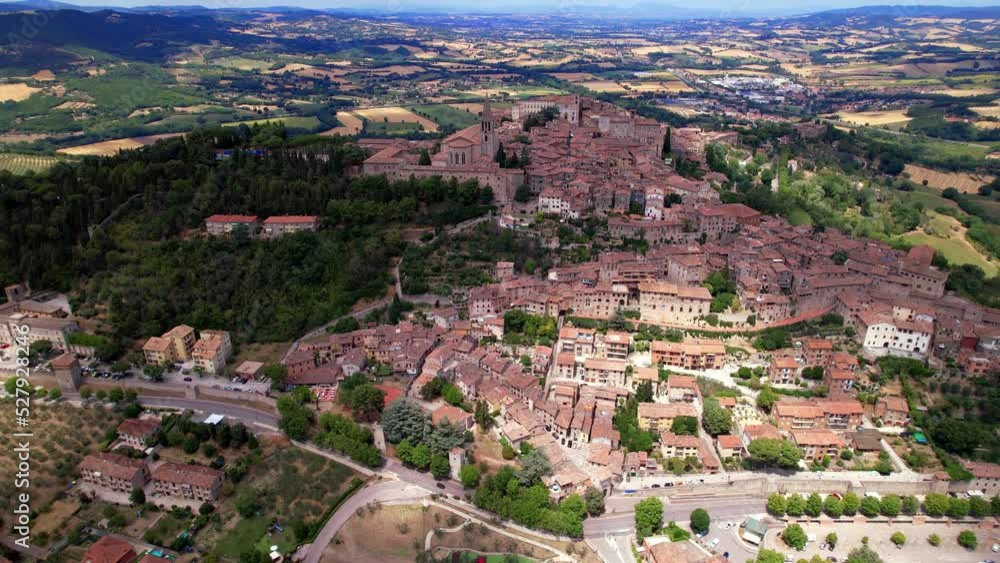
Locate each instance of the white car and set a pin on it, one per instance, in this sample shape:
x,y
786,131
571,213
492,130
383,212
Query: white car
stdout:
x,y
713,543
996,547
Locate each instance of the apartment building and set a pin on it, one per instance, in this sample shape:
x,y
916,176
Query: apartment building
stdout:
x,y
816,443
660,416
224,225
674,445
212,350
893,411
278,225
604,372
695,355
187,481
114,472
137,432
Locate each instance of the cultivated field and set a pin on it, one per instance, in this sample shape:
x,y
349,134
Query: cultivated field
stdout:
x,y
963,182
947,236
24,163
395,115
293,122
64,436
16,92
350,124
111,148
875,118
602,86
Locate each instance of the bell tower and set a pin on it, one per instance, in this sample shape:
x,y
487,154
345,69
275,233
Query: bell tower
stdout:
x,y
488,132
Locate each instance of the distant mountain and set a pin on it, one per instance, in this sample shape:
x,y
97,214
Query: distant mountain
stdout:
x,y
47,5
915,11
134,35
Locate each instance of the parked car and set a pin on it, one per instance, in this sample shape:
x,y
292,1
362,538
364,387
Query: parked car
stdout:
x,y
187,379
713,543
440,485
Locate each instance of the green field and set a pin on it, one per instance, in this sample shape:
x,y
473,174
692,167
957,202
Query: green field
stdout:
x,y
956,251
310,123
446,116
391,128
242,63
468,557
290,485
24,163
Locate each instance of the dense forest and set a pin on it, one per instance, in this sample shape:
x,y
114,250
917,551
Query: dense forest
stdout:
x,y
121,233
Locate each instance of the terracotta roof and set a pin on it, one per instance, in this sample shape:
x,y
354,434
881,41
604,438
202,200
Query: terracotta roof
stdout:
x,y
187,474
109,549
113,465
290,219
231,219
141,427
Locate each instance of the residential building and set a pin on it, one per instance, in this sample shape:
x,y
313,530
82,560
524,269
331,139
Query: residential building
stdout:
x,y
114,472
221,225
278,225
187,481
660,416
109,549
211,351
137,432
816,443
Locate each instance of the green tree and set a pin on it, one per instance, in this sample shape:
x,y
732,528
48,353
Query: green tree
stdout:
x,y
247,503
405,420
137,496
469,476
644,392
910,505
795,505
766,398
957,508
685,425
700,521
794,536
116,395
715,419
934,540
533,466
833,507
574,504
979,507
870,507
814,505
935,504
440,468
852,503
898,538
648,517
277,373
863,554
831,540
595,501
776,504
891,506
774,452
769,556
968,539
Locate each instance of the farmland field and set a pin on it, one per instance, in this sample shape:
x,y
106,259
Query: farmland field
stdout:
x,y
24,163
447,116
350,124
947,236
395,115
16,92
601,86
111,148
965,183
293,122
875,118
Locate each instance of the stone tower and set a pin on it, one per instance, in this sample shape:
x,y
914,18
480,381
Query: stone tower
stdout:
x,y
488,132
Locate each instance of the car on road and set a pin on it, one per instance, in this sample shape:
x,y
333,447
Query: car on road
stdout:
x,y
440,485
996,547
728,525
713,543
187,379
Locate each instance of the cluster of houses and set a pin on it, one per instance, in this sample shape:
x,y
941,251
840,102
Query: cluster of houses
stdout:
x,y
209,350
270,228
166,481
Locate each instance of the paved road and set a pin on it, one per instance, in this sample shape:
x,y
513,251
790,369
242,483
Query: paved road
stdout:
x,y
235,412
378,492
679,510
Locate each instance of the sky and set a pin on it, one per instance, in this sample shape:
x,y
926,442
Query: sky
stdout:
x,y
611,7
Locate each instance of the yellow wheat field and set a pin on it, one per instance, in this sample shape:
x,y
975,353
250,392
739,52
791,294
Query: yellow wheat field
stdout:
x,y
875,118
395,115
350,125
965,183
16,92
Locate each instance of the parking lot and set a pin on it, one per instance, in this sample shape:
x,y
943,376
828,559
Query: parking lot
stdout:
x,y
185,376
916,547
